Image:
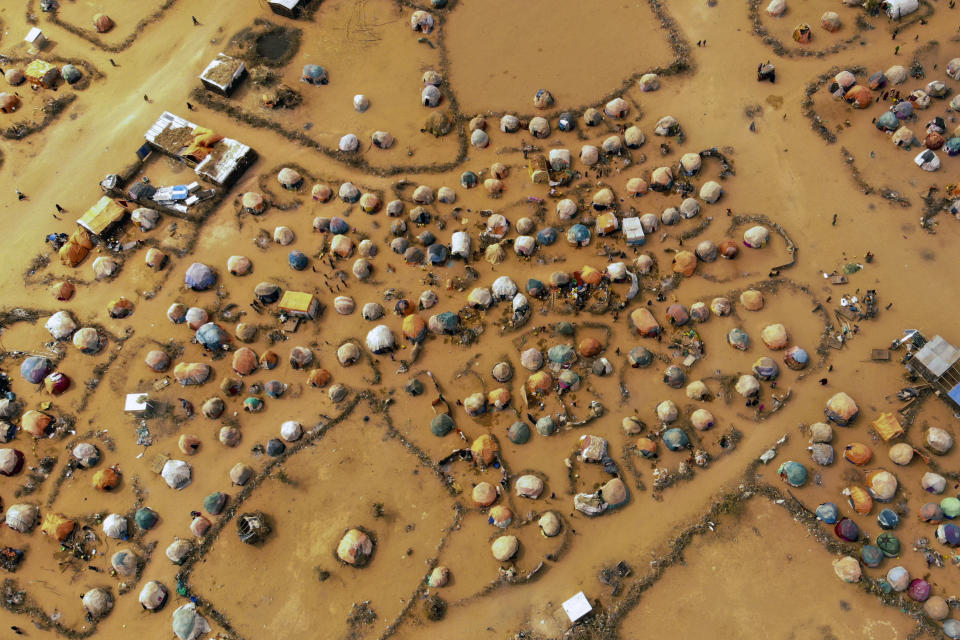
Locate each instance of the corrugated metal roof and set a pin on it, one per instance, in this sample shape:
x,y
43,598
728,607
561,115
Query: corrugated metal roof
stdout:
x,y
234,65
227,163
164,121
937,356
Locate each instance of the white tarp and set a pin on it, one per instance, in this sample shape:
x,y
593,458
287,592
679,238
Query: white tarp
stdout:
x,y
899,8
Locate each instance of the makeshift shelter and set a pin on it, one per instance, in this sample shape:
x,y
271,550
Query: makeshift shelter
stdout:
x,y
414,328
841,409
314,74
213,157
41,73
191,373
56,383
380,339
859,96
36,423
196,317
300,357
71,74
61,325
927,160
223,74
644,322
76,248
103,216
22,518
124,562
155,259
104,267
115,526
14,77
153,596
211,336
802,33
355,548
199,277
177,474
145,218
102,23
830,21
120,308
287,8
888,427
11,462
36,40
776,8
245,361
896,9
35,368
298,304
57,526
188,624
9,102
62,290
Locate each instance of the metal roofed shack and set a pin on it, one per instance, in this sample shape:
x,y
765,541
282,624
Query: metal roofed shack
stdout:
x,y
217,159
936,362
223,74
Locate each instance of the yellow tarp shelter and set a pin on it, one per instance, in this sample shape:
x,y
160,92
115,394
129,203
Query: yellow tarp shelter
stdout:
x,y
42,73
299,304
103,215
887,426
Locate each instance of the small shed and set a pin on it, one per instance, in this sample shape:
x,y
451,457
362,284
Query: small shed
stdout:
x,y
299,304
35,39
103,216
633,231
223,74
135,402
287,8
41,73
577,607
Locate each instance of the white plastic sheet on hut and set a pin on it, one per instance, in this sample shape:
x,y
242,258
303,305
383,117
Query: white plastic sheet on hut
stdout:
x,y
177,474
520,303
927,160
22,517
899,8
380,339
524,245
61,325
504,287
115,526
480,297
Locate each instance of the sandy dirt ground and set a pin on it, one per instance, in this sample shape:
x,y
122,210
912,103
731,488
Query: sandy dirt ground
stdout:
x,y
708,538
